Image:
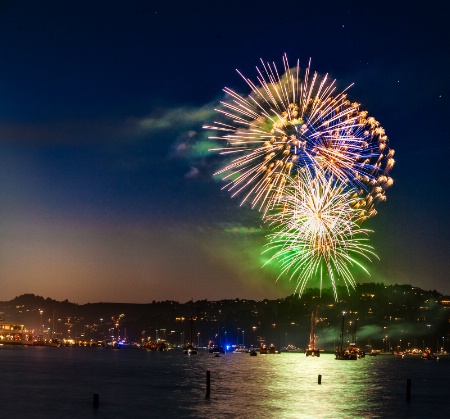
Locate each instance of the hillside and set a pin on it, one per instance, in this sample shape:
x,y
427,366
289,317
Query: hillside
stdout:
x,y
384,316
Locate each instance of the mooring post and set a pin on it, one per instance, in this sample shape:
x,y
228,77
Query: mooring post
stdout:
x,y
408,389
319,379
95,401
208,383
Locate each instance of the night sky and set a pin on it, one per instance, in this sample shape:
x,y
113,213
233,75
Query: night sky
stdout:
x,y
107,190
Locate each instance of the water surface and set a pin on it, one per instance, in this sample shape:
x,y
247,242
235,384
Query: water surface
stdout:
x,y
60,382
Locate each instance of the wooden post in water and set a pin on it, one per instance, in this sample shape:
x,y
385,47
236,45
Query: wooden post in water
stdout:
x,y
408,389
208,383
319,379
95,401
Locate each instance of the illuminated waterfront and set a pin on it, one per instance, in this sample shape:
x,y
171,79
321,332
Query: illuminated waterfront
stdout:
x,y
138,383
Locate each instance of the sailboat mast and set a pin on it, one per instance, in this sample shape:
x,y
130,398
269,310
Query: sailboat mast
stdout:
x,y
354,332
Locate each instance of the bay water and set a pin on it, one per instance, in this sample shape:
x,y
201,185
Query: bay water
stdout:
x,y
38,382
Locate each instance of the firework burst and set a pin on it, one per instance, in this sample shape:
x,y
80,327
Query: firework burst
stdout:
x,y
313,162
317,232
287,124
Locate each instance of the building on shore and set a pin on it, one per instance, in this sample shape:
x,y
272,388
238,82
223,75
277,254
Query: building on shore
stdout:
x,y
15,334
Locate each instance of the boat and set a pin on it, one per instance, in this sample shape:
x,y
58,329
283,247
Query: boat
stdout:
x,y
263,349
311,350
190,348
428,355
55,343
273,349
345,353
115,345
415,352
15,334
240,350
216,349
292,348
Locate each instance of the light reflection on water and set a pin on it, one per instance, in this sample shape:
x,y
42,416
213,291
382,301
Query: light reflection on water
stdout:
x,y
134,383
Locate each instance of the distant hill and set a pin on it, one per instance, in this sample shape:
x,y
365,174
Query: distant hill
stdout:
x,y
393,314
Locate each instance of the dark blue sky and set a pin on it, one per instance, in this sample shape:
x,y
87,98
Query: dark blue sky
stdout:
x,y
106,186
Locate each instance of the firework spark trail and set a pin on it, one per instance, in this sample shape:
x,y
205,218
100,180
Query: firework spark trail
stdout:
x,y
286,124
313,162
